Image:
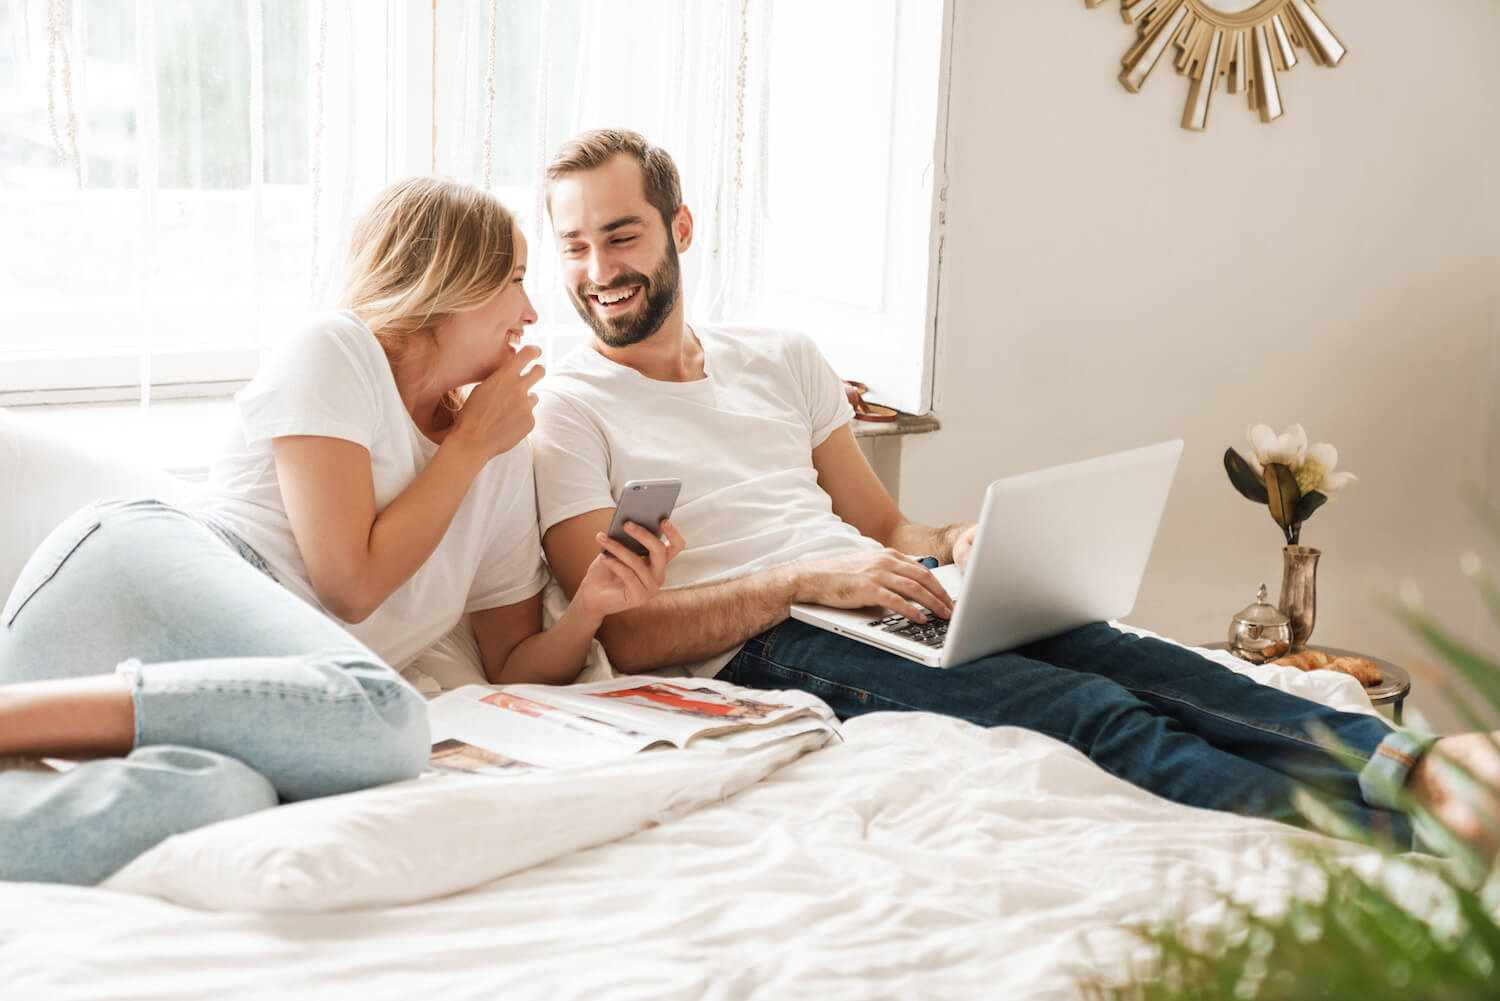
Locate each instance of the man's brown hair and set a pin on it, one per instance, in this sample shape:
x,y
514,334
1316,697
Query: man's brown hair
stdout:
x,y
588,150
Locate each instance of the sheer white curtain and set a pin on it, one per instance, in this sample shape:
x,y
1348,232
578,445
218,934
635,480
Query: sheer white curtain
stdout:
x,y
179,176
177,179
690,75
807,136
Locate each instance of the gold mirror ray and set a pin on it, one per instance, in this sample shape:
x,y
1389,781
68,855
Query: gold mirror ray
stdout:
x,y
1243,48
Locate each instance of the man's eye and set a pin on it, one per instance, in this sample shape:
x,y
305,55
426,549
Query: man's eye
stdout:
x,y
623,239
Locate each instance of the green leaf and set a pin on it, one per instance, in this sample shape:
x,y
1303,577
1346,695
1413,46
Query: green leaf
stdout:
x,y
1282,494
1310,502
1243,477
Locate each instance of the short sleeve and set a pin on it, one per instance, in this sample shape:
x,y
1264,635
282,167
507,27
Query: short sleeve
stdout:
x,y
511,568
317,381
828,407
571,457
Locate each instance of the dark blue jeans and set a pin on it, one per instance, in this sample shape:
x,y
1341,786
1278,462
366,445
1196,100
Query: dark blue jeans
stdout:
x,y
1153,713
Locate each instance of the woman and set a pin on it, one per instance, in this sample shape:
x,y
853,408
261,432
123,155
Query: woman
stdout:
x,y
362,508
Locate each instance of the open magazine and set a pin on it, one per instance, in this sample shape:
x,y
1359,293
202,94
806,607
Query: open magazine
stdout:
x,y
503,730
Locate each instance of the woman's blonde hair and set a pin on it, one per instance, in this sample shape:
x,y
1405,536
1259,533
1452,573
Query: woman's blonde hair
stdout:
x,y
427,248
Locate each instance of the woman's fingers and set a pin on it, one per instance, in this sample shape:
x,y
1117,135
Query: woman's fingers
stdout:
x,y
656,550
629,581
630,563
675,542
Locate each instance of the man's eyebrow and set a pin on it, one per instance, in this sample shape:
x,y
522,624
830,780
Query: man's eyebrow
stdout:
x,y
609,227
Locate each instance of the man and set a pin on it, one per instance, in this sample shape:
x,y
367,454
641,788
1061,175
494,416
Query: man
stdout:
x,y
778,506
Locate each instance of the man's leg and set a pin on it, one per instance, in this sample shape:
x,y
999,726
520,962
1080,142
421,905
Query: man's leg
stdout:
x,y
1253,721
1122,733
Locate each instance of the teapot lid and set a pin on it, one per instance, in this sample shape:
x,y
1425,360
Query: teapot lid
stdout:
x,y
1261,612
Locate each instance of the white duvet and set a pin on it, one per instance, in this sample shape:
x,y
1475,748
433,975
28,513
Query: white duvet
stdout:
x,y
921,857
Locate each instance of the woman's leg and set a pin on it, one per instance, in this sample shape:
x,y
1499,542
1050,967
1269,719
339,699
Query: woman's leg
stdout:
x,y
219,659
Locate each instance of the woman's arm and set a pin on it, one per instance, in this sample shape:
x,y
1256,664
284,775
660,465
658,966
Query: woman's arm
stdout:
x,y
516,650
357,557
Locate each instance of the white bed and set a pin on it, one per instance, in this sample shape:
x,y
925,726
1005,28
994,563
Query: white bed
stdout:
x,y
919,857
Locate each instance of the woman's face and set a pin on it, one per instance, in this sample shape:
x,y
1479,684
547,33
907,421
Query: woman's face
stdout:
x,y
473,343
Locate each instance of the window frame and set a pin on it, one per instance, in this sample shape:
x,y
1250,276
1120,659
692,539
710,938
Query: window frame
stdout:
x,y
409,140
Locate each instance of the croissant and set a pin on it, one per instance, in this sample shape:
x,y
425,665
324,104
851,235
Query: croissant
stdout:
x,y
1318,660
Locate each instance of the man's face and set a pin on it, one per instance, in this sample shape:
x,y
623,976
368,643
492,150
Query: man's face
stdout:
x,y
619,262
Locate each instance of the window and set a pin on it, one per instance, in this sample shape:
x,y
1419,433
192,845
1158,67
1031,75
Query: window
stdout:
x,y
159,166
219,169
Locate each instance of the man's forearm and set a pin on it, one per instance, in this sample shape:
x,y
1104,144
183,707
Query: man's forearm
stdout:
x,y
919,540
694,623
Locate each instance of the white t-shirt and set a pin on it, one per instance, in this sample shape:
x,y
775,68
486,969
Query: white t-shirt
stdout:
x,y
740,439
331,378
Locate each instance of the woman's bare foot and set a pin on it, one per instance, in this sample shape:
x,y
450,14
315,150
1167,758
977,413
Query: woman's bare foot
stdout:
x,y
1468,807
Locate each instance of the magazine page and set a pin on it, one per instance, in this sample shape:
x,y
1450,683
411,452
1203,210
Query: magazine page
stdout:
x,y
496,730
681,709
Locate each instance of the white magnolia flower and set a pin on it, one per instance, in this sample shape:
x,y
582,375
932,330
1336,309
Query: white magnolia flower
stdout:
x,y
1316,471
1287,447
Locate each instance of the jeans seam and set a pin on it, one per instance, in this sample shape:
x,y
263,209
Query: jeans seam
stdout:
x,y
45,578
270,689
1291,735
792,672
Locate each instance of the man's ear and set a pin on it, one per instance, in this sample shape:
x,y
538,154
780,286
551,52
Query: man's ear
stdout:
x,y
682,228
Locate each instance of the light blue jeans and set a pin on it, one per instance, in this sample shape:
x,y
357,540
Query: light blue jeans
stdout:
x,y
244,694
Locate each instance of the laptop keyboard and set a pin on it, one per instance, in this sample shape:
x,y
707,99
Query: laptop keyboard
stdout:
x,y
931,633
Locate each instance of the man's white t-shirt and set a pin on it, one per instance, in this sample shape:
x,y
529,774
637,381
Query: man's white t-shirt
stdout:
x,y
331,378
740,439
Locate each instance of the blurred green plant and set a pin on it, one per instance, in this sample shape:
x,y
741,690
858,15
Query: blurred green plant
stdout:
x,y
1418,929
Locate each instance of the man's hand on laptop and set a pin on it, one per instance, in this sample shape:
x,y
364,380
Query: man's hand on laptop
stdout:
x,y
883,577
962,545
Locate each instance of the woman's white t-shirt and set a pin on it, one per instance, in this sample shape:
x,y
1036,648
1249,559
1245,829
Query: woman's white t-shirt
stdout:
x,y
331,378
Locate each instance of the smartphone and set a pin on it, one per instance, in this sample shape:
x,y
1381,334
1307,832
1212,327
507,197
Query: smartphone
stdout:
x,y
645,502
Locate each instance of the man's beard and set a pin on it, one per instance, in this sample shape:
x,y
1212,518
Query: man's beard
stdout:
x,y
662,290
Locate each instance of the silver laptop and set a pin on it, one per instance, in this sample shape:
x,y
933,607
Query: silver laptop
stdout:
x,y
1056,548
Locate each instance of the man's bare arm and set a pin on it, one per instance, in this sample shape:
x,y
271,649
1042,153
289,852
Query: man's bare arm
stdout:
x,y
862,500
689,624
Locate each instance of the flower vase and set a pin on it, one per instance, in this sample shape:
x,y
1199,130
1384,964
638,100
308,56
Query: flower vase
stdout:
x,y
1299,591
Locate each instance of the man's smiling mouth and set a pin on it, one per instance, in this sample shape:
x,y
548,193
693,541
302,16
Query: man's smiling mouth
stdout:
x,y
615,296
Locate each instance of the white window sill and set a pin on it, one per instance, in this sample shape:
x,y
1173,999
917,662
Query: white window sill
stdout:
x,y
183,436
180,436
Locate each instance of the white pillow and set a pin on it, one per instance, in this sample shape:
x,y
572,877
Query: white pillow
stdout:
x,y
435,835
48,476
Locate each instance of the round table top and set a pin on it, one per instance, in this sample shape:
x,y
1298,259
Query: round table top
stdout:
x,y
1395,682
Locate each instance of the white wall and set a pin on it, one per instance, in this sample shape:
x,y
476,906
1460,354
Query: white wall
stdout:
x,y
1110,279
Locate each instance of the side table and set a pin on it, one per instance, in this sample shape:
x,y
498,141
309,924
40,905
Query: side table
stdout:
x,y
1395,682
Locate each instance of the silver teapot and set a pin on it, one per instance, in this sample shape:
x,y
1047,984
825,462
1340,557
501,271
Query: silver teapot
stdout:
x,y
1260,632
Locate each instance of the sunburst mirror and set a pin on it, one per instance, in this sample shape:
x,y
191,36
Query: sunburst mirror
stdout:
x,y
1243,42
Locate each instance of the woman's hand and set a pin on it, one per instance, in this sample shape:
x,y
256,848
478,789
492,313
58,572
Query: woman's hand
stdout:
x,y
498,412
618,580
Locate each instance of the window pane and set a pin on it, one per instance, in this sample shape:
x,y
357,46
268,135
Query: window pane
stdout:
x,y
203,94
190,256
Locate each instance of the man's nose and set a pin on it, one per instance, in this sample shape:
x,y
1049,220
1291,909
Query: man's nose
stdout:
x,y
603,267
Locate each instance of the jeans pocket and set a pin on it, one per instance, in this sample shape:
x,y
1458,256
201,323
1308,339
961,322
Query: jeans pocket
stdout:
x,y
47,560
